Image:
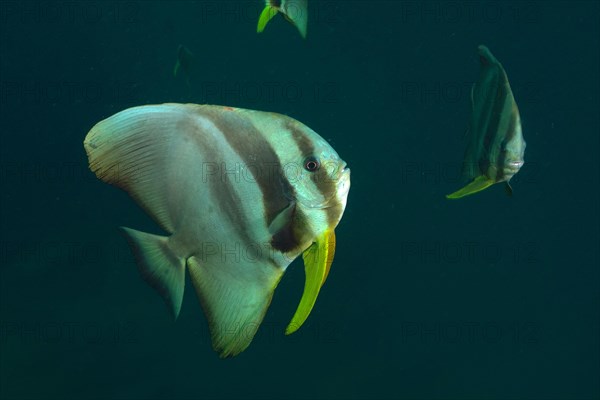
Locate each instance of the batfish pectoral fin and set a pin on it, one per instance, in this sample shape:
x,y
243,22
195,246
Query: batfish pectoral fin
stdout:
x,y
235,298
283,219
478,184
317,263
265,16
159,266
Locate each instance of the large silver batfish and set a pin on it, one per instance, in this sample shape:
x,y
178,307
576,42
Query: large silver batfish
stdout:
x,y
496,146
239,193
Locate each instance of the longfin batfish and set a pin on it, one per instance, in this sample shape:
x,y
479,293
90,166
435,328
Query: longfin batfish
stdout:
x,y
240,195
496,148
295,11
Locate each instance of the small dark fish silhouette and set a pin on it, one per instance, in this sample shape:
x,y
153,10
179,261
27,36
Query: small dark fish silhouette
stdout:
x,y
185,61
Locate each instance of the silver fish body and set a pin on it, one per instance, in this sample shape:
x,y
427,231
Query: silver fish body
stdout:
x,y
240,194
496,148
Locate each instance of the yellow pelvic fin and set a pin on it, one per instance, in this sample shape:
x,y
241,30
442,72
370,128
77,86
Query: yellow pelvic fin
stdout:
x,y
265,16
317,262
478,184
330,253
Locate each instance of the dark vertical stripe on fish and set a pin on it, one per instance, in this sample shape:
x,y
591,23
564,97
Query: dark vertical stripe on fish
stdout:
x,y
265,167
492,139
225,195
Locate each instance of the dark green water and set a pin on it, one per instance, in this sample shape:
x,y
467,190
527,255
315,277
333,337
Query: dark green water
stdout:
x,y
486,297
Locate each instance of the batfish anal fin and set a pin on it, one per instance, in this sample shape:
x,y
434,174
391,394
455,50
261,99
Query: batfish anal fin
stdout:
x,y
265,16
159,266
317,263
480,183
234,300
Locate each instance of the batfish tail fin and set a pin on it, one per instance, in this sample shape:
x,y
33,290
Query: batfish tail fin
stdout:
x,y
235,306
478,184
159,266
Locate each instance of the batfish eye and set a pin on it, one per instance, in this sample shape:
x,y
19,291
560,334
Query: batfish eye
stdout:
x,y
311,164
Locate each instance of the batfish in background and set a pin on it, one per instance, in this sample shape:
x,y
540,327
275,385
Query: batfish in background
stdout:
x,y
184,63
295,11
495,147
219,180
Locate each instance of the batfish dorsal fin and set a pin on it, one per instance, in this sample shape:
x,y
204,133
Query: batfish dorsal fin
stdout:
x,y
234,300
478,184
134,150
486,58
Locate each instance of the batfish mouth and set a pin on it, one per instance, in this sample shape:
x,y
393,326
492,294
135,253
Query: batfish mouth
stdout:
x,y
341,182
343,185
343,176
515,165
343,171
337,171
512,167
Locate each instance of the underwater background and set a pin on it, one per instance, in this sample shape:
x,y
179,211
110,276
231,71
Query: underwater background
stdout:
x,y
487,297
